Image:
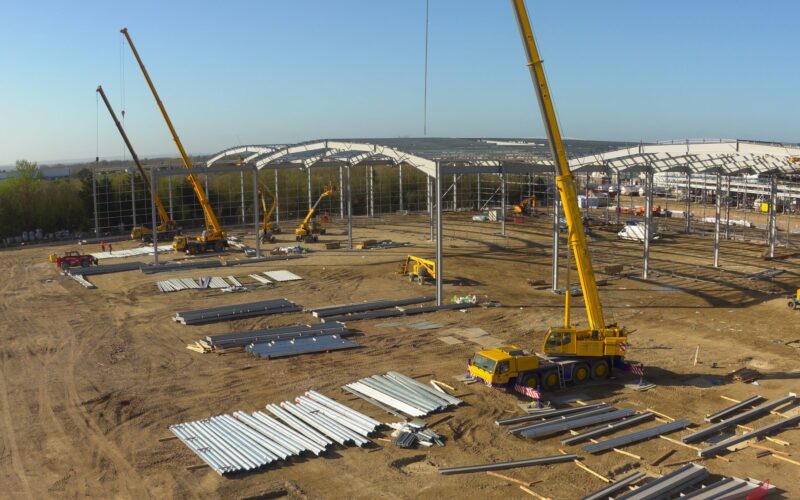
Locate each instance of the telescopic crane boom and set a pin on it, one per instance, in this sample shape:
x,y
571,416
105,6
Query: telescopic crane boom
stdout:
x,y
167,224
214,236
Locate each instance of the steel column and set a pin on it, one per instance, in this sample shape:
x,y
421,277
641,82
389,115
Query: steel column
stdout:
x,y
586,194
455,193
371,191
773,214
503,204
728,208
688,213
94,203
277,201
308,176
430,207
400,178
241,189
479,191
556,236
133,196
153,182
439,236
648,219
341,192
349,209
255,211
169,186
206,183
619,198
717,211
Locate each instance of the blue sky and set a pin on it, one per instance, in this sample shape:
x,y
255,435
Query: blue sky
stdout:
x,y
285,71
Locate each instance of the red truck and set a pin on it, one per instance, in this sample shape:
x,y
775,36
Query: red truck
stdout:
x,y
73,258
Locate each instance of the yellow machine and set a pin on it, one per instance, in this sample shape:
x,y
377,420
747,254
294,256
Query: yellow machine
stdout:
x,y
213,237
166,230
419,269
268,229
794,302
570,353
310,228
525,205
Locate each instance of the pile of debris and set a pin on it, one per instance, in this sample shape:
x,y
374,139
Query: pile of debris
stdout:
x,y
409,433
293,250
379,244
395,391
244,442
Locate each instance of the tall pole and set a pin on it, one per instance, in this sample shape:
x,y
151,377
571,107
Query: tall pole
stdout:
x,y
349,209
400,178
94,202
439,235
773,225
341,192
479,191
308,176
277,201
648,220
371,192
688,202
241,189
717,212
619,198
430,207
728,208
153,212
255,211
133,196
455,192
503,203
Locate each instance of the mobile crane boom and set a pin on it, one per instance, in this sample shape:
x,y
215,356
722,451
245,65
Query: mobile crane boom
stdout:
x,y
213,230
167,224
564,179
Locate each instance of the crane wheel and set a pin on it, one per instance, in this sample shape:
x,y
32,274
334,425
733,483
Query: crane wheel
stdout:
x,y
531,380
580,373
600,369
191,250
550,381
218,246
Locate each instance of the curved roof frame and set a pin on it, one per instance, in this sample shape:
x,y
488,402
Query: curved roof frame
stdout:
x,y
253,151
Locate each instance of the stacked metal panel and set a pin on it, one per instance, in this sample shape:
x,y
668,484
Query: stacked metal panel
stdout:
x,y
402,393
236,311
670,484
234,281
83,281
206,264
753,414
303,345
337,310
107,268
243,442
177,284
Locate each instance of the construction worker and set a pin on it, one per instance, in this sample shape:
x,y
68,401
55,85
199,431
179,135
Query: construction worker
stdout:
x,y
110,248
102,246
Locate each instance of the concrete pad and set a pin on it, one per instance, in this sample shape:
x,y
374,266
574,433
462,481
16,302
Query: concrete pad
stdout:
x,y
424,325
488,342
391,324
451,340
472,333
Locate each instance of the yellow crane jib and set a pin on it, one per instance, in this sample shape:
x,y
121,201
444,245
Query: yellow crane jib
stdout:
x,y
268,229
213,237
310,229
419,269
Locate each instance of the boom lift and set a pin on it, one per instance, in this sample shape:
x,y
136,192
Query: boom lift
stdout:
x,y
418,268
570,354
525,205
166,230
268,229
310,228
213,238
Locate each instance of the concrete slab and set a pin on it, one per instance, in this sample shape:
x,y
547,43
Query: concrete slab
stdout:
x,y
451,340
488,342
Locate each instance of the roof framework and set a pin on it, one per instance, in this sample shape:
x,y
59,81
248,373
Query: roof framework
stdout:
x,y
465,156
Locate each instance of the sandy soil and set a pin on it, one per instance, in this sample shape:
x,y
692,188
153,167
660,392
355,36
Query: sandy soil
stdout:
x,y
91,379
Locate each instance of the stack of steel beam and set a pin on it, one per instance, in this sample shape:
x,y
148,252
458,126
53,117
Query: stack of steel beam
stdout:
x,y
397,311
243,339
402,393
107,268
243,442
303,345
753,414
609,428
546,414
206,264
236,311
338,310
547,428
670,484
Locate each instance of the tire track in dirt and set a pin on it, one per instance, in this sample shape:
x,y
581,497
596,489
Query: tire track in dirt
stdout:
x,y
10,438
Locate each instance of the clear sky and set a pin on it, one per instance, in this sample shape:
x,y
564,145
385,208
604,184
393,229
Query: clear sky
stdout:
x,y
236,72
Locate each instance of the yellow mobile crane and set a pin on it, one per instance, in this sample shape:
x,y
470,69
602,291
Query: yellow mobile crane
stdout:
x,y
213,237
418,268
310,228
268,229
166,230
570,354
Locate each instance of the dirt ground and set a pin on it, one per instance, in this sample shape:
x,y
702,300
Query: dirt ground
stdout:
x,y
91,379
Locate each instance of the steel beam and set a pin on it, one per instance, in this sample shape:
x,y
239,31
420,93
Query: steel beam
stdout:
x,y
277,200
308,177
762,431
609,428
94,203
556,236
349,209
255,210
688,202
133,196
555,459
439,237
773,226
153,184
648,220
734,409
669,485
341,192
717,213
241,192
635,437
400,180
615,487
737,419
169,186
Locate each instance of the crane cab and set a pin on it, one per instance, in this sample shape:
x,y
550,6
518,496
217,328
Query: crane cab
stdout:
x,y
569,341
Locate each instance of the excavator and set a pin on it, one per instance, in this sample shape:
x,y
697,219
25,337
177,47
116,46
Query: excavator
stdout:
x,y
419,269
571,354
213,237
268,229
166,230
310,229
525,205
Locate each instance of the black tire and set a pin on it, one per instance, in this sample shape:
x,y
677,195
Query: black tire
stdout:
x,y
84,263
600,370
191,249
550,380
530,380
792,304
219,246
580,373
322,231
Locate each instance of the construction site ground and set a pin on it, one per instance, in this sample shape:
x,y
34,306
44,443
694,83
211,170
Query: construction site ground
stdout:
x,y
91,380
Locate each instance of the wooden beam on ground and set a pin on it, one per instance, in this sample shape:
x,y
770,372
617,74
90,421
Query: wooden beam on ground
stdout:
x,y
533,493
592,472
197,467
666,417
695,448
682,462
784,459
511,479
759,447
